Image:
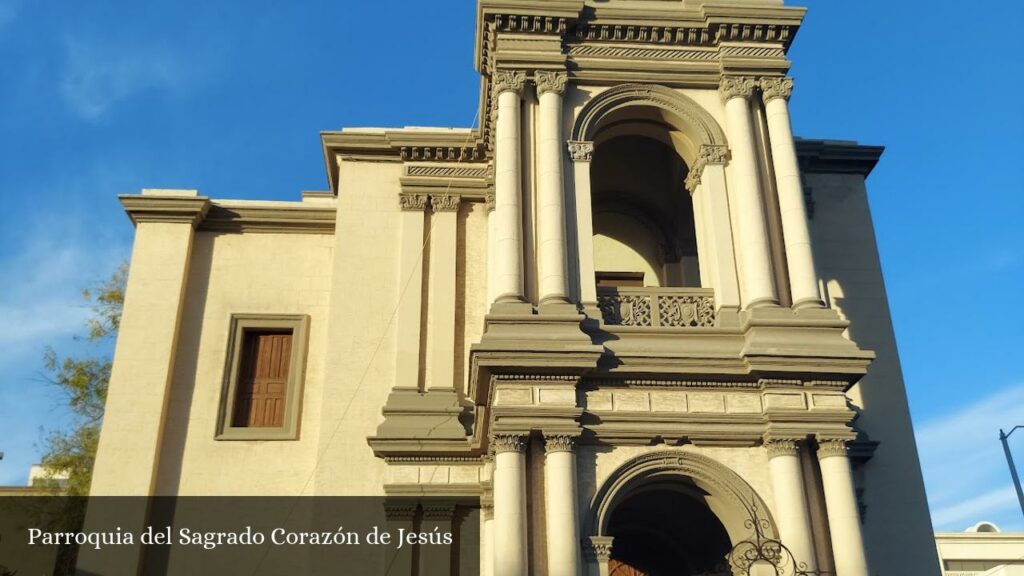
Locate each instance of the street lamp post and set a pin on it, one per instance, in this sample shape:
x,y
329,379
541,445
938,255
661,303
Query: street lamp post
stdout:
x,y
1013,469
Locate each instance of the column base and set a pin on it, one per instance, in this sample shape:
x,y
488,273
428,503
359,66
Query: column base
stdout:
x,y
557,306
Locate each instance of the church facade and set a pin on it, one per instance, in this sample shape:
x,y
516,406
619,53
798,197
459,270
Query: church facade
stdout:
x,y
629,319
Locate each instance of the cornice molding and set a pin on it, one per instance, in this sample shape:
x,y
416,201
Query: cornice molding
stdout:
x,y
736,87
837,157
772,88
580,151
550,82
143,208
509,81
299,218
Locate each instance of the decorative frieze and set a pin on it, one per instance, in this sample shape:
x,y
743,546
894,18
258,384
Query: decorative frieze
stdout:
x,y
772,88
662,308
832,447
445,203
412,202
782,447
509,81
581,151
736,87
548,81
559,443
508,443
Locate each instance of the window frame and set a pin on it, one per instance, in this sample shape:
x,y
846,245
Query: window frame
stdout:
x,y
239,325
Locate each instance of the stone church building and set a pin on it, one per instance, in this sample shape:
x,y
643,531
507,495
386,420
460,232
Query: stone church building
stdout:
x,y
628,318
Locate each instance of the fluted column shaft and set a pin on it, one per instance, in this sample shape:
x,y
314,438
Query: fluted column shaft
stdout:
x,y
562,520
803,278
551,202
758,289
841,504
509,505
791,510
508,257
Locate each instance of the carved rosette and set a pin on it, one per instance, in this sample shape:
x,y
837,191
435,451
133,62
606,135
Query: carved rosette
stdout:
x,y
736,87
782,447
445,203
412,202
832,447
550,82
581,151
772,88
508,443
598,548
509,81
559,443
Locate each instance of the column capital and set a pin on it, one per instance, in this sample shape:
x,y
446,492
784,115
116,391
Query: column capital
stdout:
x,y
581,150
549,81
782,447
709,154
598,548
508,443
445,202
736,87
489,201
509,81
412,202
832,447
776,87
559,443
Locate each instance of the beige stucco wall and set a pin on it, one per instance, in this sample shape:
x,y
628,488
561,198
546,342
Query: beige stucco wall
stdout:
x,y
897,527
242,273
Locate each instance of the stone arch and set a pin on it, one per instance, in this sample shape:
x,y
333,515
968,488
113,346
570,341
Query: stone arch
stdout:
x,y
730,498
683,113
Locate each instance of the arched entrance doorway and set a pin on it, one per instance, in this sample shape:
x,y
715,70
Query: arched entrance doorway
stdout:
x,y
673,512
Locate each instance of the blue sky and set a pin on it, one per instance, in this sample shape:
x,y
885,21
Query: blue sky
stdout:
x,y
106,97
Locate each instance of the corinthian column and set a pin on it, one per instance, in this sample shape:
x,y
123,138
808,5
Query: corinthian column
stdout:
x,y
803,279
757,288
841,504
509,505
551,203
508,246
563,533
791,501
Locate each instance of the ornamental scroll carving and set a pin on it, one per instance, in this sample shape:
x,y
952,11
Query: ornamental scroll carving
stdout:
x,y
832,447
509,81
508,443
550,82
489,201
559,443
736,87
782,447
598,548
412,202
581,151
772,88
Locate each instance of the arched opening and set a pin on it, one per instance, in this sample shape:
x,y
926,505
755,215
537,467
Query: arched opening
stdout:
x,y
644,232
675,512
666,529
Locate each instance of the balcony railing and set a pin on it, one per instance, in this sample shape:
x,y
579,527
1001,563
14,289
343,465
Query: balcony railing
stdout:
x,y
657,307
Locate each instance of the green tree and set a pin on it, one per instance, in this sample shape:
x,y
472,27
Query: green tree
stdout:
x,y
84,382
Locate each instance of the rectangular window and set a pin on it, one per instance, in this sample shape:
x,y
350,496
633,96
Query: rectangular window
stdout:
x,y
264,373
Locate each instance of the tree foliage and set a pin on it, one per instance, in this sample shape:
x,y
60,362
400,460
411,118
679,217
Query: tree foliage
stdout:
x,y
84,382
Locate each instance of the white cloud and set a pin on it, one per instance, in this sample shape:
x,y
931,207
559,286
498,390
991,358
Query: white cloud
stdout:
x,y
100,74
964,466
